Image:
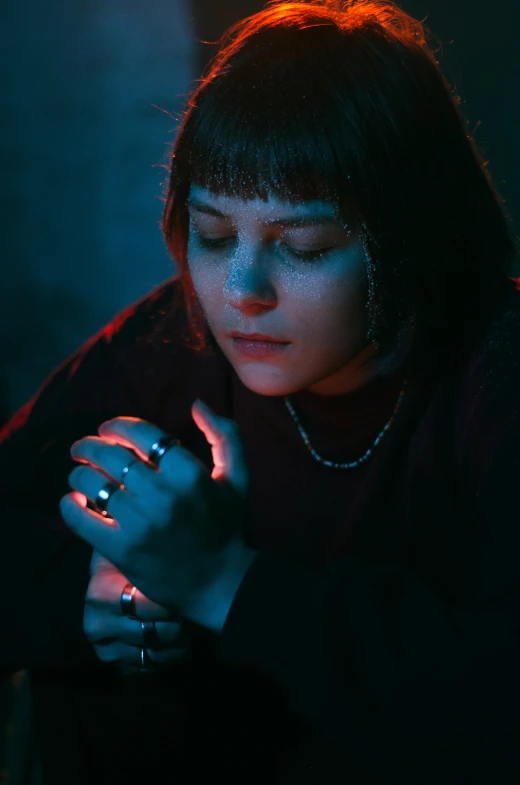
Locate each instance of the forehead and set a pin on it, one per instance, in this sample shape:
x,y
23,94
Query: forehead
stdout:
x,y
258,209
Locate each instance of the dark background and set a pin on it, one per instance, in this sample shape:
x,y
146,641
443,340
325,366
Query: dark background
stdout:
x,y
90,104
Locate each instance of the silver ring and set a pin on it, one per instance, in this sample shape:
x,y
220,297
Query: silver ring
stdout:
x,y
126,469
160,447
150,635
128,600
144,662
103,497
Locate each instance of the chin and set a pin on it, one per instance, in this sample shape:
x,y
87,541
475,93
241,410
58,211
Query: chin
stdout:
x,y
268,383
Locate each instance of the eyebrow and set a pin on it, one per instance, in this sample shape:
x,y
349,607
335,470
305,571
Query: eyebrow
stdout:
x,y
304,220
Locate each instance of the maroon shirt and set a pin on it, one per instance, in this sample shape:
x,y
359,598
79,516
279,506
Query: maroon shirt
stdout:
x,y
376,636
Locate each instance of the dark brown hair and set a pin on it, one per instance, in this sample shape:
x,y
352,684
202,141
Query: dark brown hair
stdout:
x,y
345,101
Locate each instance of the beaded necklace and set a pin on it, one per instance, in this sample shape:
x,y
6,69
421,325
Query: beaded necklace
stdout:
x,y
364,457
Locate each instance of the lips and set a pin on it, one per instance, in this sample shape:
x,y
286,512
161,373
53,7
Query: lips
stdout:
x,y
259,349
258,337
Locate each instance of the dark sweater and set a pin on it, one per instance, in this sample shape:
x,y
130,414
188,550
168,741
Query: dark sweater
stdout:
x,y
376,636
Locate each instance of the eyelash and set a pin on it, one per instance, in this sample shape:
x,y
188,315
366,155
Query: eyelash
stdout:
x,y
219,242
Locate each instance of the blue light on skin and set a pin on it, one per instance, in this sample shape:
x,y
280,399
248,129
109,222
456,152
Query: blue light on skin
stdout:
x,y
253,280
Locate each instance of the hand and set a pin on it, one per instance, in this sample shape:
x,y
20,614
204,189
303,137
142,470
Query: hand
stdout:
x,y
170,529
118,639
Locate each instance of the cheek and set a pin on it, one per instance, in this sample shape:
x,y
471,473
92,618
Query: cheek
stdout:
x,y
206,280
328,305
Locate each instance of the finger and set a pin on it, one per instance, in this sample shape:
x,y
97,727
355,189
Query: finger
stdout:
x,y
113,459
148,610
113,653
168,634
103,599
102,627
177,464
168,656
100,532
88,481
227,447
130,656
122,505
133,433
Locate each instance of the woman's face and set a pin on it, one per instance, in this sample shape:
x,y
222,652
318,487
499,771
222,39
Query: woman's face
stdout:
x,y
246,263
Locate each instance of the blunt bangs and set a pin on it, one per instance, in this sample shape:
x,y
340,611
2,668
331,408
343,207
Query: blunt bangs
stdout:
x,y
270,127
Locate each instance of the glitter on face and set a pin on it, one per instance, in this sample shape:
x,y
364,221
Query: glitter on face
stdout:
x,y
251,281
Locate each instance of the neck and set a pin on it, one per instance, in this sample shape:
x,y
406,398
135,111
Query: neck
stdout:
x,y
357,373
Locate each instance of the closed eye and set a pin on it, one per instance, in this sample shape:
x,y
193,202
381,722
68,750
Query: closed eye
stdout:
x,y
220,242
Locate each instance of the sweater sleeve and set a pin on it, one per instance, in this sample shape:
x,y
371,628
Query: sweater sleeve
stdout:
x,y
375,663
44,566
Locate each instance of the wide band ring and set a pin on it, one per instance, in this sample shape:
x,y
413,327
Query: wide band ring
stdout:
x,y
160,447
128,600
103,497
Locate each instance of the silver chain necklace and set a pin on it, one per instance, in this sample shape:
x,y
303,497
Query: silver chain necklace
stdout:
x,y
368,453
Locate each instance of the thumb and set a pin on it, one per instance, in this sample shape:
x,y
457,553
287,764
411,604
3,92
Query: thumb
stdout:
x,y
227,447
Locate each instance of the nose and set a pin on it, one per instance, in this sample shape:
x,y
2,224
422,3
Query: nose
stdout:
x,y
249,285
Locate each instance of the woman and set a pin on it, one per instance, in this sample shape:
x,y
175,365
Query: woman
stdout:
x,y
317,574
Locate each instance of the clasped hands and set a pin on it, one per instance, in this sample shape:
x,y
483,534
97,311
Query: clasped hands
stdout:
x,y
173,531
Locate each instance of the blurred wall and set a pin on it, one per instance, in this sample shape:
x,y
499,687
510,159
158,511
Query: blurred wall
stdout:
x,y
84,134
